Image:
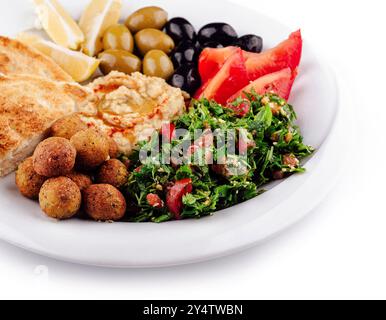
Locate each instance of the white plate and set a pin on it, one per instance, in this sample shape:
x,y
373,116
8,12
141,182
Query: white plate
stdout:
x,y
152,245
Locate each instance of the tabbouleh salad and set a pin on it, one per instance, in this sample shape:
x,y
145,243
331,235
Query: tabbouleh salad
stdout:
x,y
272,146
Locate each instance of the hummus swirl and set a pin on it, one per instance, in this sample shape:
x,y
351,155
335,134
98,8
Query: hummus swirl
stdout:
x,y
131,108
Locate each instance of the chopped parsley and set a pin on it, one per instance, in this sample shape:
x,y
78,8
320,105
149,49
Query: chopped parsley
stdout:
x,y
274,148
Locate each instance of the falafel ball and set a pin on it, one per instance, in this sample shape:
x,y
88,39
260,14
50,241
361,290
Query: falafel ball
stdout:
x,y
54,157
28,181
68,126
113,149
113,172
103,202
92,148
60,198
82,181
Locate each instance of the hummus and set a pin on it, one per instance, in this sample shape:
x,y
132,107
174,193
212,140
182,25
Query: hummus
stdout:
x,y
131,108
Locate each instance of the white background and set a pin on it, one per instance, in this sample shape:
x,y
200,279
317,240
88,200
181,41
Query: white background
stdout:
x,y
337,252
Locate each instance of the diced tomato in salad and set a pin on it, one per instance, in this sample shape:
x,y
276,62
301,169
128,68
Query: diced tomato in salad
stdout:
x,y
241,109
175,195
245,144
154,201
168,131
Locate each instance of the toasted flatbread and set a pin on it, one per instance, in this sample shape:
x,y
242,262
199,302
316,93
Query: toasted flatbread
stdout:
x,y
17,58
28,107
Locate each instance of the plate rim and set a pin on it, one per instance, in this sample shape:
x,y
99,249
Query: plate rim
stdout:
x,y
224,252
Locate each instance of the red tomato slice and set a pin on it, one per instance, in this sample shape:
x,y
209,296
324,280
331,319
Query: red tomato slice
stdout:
x,y
230,79
211,60
278,82
286,55
175,195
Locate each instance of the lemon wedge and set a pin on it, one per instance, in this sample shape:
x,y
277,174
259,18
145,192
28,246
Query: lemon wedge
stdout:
x,y
98,16
58,24
78,65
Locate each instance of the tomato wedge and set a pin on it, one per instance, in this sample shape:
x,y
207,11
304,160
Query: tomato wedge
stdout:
x,y
280,82
223,74
175,195
211,60
286,55
230,79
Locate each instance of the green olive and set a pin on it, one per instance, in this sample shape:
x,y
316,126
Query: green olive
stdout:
x,y
119,60
118,37
153,39
148,17
157,64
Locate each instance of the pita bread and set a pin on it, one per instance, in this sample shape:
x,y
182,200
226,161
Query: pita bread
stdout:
x,y
28,107
17,58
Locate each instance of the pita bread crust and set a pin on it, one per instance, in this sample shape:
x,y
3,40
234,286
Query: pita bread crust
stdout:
x,y
28,107
17,58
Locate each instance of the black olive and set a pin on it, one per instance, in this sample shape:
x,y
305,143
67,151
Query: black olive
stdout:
x,y
213,44
218,32
186,52
250,43
186,78
198,46
180,29
177,80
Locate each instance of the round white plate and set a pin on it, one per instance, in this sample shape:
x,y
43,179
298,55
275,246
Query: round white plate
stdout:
x,y
151,245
